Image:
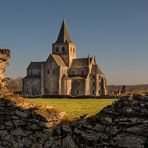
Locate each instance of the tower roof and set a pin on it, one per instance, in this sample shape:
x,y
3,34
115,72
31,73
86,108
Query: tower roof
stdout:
x,y
64,35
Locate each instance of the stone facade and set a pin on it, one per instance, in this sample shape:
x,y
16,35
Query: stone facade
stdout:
x,y
63,73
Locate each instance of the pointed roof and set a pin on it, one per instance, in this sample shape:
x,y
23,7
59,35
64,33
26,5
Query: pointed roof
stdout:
x,y
96,69
80,62
57,59
64,35
35,65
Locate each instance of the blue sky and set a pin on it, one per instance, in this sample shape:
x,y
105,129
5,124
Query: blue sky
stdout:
x,y
115,31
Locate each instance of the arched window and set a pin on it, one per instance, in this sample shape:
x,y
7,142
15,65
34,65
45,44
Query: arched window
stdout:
x,y
63,49
27,90
73,49
83,72
48,71
57,49
93,92
53,71
93,83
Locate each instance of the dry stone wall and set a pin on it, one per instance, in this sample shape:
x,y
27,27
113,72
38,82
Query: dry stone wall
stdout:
x,y
25,125
121,125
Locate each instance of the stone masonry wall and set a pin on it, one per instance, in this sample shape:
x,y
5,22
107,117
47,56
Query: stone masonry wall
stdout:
x,y
121,125
4,56
25,125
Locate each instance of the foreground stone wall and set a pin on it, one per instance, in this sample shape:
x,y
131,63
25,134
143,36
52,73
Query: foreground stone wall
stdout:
x,y
122,125
23,124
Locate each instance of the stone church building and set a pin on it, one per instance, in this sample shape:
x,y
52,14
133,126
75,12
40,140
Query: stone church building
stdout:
x,y
63,73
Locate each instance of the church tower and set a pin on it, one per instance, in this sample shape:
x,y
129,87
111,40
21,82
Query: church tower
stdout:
x,y
64,47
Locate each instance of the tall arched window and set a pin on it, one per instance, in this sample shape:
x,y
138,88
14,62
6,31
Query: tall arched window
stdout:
x,y
93,92
48,71
83,72
63,49
53,71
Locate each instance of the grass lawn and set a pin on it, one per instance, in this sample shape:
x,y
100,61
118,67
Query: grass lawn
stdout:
x,y
75,107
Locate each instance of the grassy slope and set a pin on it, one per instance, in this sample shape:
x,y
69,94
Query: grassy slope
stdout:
x,y
75,107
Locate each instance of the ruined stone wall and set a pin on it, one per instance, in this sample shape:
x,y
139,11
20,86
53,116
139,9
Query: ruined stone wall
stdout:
x,y
121,125
25,125
4,56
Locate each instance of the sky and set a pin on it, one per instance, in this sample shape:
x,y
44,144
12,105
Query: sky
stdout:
x,y
115,31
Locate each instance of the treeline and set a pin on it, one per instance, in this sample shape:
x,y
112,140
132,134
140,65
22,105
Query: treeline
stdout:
x,y
14,85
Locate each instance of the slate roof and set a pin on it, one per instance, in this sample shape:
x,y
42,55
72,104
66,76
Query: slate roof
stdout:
x,y
96,69
58,60
79,63
35,65
64,35
32,77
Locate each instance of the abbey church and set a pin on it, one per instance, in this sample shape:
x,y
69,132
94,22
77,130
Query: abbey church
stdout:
x,y
63,73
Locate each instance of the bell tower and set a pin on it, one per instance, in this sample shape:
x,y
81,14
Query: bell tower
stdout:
x,y
64,47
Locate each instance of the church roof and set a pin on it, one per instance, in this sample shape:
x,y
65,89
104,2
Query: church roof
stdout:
x,y
35,65
81,62
64,35
96,69
32,77
58,60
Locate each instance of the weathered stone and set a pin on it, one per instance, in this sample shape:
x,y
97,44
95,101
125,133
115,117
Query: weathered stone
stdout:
x,y
3,132
129,140
108,119
37,145
21,113
139,129
19,132
68,142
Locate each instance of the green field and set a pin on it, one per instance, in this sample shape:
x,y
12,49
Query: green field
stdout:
x,y
75,107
